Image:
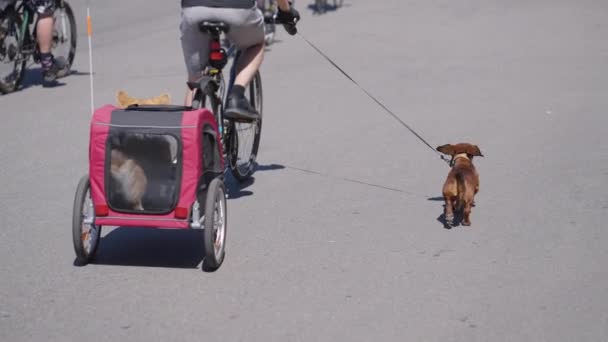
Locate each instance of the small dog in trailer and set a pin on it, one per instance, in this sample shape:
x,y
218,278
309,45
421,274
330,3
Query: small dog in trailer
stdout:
x,y
462,183
129,179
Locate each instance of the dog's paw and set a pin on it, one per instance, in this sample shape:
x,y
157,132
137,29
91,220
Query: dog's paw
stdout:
x,y
466,223
449,221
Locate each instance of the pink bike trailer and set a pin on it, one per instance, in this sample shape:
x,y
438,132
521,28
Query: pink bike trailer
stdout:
x,y
173,153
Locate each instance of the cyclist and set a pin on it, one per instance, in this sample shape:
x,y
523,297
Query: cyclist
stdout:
x,y
246,32
51,67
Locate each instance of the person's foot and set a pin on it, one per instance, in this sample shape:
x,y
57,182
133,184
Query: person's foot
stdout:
x,y
238,107
53,69
64,67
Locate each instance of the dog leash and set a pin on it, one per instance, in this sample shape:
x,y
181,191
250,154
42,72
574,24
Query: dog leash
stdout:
x,y
388,111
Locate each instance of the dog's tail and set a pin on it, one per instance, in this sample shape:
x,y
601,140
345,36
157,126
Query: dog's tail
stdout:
x,y
460,189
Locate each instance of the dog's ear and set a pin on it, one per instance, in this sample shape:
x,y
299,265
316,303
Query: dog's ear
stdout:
x,y
446,149
123,99
164,99
474,151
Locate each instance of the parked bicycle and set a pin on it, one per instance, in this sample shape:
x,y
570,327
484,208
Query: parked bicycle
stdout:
x,y
18,41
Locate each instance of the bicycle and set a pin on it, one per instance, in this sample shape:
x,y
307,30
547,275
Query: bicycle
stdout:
x,y
18,41
240,140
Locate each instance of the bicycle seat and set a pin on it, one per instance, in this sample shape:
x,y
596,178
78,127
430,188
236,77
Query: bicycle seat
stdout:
x,y
213,26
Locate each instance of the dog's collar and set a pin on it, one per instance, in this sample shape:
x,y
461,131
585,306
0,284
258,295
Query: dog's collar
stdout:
x,y
460,155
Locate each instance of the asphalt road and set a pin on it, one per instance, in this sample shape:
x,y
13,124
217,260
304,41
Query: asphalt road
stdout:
x,y
338,237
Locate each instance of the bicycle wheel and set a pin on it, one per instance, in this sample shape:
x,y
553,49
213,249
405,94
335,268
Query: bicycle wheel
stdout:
x,y
85,234
215,222
12,62
64,35
245,137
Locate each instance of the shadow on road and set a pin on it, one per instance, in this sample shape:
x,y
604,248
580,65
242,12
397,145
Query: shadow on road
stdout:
x,y
173,248
33,77
151,248
322,7
437,198
235,189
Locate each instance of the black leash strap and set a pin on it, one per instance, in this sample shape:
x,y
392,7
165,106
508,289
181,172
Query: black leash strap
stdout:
x,y
374,98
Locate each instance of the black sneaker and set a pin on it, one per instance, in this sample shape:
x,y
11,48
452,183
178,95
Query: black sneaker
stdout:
x,y
57,69
239,109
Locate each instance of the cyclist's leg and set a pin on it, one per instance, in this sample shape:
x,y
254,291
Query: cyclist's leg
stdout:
x,y
248,64
247,33
195,45
248,36
44,35
44,32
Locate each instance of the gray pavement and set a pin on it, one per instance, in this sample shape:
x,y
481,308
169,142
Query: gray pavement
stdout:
x,y
338,238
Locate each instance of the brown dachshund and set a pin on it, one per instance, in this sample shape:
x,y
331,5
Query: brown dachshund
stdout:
x,y
462,183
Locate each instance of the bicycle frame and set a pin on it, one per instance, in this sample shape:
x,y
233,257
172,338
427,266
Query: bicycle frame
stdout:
x,y
27,36
212,76
211,91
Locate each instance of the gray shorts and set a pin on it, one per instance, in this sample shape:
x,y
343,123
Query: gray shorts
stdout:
x,y
246,29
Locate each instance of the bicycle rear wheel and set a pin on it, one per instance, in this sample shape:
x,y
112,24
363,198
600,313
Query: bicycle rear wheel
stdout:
x,y
244,138
12,63
64,35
